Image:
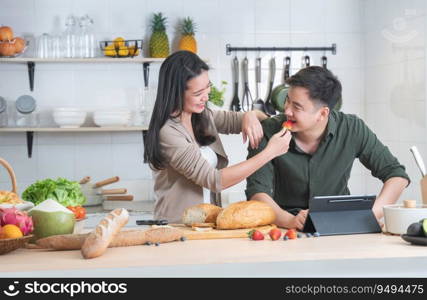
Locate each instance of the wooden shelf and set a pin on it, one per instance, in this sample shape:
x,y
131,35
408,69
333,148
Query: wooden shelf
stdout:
x,y
82,60
80,129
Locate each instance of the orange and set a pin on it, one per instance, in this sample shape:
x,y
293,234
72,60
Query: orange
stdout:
x,y
10,231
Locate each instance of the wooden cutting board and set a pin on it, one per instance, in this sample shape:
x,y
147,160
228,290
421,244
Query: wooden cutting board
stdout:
x,y
192,234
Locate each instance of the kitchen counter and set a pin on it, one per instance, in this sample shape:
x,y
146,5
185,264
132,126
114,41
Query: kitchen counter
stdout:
x,y
366,255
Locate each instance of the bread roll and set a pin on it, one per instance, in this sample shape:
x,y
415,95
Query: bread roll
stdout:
x,y
201,213
245,214
99,239
124,238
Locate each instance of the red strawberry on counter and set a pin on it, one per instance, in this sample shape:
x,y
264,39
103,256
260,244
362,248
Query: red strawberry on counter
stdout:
x,y
275,234
255,235
291,234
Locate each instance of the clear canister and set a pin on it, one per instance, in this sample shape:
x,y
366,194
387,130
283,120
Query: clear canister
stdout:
x,y
26,115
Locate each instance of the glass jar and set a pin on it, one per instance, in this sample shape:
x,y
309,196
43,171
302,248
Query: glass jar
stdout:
x,y
87,45
3,112
25,112
70,38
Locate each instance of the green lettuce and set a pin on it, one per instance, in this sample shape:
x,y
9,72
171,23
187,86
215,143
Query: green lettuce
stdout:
x,y
65,192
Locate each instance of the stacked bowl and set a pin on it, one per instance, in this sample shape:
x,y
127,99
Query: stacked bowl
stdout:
x,y
112,117
69,117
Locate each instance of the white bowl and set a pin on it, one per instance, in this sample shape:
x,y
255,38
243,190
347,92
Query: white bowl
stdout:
x,y
397,218
68,109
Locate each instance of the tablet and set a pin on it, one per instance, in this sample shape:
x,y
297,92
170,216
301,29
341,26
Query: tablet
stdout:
x,y
344,214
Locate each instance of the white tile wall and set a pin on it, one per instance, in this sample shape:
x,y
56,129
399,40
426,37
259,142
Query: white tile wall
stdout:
x,y
237,22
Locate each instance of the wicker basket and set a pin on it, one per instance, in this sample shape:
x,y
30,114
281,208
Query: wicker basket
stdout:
x,y
8,245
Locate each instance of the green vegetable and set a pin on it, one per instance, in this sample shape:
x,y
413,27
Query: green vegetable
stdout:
x,y
216,96
67,193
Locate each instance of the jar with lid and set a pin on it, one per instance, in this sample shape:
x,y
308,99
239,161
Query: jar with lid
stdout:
x,y
3,112
70,37
87,44
25,112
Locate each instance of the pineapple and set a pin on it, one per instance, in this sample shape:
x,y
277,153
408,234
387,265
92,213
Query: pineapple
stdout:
x,y
187,41
159,42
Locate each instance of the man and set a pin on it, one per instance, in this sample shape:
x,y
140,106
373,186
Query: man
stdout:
x,y
321,153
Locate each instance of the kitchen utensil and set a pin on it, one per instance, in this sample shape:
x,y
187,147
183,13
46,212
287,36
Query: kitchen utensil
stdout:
x,y
269,108
120,198
192,234
235,103
397,218
106,181
324,62
112,191
259,103
247,96
151,222
91,191
280,92
418,159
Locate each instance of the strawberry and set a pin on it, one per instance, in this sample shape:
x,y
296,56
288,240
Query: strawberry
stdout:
x,y
291,234
287,124
275,234
255,235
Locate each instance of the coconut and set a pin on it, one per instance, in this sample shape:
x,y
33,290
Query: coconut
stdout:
x,y
51,218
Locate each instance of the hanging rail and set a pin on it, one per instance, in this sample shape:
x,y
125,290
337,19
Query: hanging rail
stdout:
x,y
230,49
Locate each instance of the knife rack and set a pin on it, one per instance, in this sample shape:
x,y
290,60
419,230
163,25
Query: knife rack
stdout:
x,y
229,49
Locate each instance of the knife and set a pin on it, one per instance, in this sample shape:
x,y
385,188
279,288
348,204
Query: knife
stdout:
x,y
151,222
418,160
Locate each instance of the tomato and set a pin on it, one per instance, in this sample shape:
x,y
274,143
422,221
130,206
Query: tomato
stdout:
x,y
79,211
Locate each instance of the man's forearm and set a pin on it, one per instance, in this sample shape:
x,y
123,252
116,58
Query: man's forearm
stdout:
x,y
390,193
282,217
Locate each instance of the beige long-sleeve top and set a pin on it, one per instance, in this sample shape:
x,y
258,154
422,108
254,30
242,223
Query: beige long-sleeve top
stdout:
x,y
180,184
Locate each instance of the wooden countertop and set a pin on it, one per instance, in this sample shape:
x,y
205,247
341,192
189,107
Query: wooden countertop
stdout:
x,y
208,252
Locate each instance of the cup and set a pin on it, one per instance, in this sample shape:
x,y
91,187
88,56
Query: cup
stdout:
x,y
43,46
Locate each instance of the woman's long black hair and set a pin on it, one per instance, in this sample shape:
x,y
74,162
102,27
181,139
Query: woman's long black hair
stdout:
x,y
174,74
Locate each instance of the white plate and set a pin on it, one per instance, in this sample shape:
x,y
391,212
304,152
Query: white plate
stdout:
x,y
23,206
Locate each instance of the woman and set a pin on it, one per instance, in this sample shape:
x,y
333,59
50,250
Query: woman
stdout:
x,y
182,144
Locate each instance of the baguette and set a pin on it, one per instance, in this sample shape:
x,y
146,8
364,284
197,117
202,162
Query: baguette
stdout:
x,y
125,238
245,214
99,239
201,213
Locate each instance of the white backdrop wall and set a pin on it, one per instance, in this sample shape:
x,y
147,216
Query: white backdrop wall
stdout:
x,y
92,86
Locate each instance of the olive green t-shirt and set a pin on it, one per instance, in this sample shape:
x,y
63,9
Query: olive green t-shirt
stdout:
x,y
294,177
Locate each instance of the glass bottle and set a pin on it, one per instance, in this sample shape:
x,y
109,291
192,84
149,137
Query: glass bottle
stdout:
x,y
70,37
87,43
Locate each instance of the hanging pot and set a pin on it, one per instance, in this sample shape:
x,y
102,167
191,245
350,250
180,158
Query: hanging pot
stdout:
x,y
280,92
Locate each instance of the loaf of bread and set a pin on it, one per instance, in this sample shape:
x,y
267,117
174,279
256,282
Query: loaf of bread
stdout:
x,y
124,238
99,239
201,213
245,214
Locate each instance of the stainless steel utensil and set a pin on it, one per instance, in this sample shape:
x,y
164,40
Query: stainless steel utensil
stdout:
x,y
419,160
259,103
235,103
247,96
269,108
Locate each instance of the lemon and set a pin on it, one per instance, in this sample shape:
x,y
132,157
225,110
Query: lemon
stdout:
x,y
133,51
10,231
109,47
110,52
123,51
119,42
